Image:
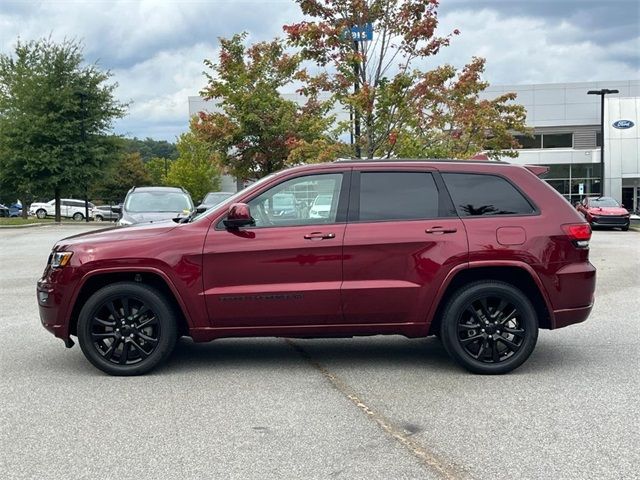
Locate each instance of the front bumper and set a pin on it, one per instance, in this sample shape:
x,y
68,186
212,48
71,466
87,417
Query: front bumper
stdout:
x,y
610,221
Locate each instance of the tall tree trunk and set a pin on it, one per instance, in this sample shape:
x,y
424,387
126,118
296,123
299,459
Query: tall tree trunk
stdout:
x,y
56,194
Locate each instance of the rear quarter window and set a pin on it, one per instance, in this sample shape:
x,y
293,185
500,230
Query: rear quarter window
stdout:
x,y
476,194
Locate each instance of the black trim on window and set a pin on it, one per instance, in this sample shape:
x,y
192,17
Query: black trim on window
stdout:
x,y
532,204
446,208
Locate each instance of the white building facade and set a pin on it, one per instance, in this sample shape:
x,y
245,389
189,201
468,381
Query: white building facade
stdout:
x,y
566,124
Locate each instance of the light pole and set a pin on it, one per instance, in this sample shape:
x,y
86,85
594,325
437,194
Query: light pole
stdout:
x,y
602,92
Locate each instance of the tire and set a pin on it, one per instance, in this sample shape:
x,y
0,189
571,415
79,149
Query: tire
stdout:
x,y
625,228
98,218
131,344
508,338
78,217
41,213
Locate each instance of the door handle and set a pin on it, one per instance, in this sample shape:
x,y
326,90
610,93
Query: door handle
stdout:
x,y
440,230
319,236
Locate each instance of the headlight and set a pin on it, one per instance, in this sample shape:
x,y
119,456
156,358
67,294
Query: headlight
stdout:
x,y
60,259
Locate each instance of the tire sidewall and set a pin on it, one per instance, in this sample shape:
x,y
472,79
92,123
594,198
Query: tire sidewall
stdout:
x,y
461,301
41,214
162,310
78,217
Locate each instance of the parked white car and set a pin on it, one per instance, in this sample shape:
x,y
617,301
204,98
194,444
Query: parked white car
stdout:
x,y
321,206
69,208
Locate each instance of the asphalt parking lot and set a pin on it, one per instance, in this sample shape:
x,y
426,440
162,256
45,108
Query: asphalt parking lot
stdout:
x,y
370,408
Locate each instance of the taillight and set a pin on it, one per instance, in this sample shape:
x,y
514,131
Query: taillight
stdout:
x,y
579,233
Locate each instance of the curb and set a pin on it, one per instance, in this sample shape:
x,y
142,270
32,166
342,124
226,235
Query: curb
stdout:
x,y
54,224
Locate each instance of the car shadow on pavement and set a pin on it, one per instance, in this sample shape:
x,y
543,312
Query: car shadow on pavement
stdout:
x,y
269,353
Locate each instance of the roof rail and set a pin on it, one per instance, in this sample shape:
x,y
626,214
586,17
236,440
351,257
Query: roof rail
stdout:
x,y
382,160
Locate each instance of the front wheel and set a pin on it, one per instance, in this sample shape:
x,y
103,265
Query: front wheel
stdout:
x,y
98,218
625,228
41,214
489,327
127,329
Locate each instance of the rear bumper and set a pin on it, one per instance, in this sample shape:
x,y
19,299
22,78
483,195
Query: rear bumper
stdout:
x,y
574,286
564,318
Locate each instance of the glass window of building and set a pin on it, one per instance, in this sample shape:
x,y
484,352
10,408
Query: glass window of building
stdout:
x,y
557,140
529,142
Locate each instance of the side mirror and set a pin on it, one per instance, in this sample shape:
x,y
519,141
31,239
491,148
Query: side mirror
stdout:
x,y
238,216
622,205
201,209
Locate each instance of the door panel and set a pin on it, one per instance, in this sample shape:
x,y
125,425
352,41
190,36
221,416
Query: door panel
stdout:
x,y
392,270
274,276
287,269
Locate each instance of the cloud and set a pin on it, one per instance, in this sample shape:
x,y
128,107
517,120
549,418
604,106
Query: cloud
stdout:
x,y
156,48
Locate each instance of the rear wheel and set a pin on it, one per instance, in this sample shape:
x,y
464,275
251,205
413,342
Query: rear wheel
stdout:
x,y
489,327
41,213
78,216
127,329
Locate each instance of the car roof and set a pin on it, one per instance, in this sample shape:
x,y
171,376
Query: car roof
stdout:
x,y
425,160
157,189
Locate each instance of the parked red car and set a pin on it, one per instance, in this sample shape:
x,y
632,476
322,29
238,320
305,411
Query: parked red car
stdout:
x,y
604,212
482,254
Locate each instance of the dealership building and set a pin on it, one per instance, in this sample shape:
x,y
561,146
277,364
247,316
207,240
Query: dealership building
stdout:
x,y
566,136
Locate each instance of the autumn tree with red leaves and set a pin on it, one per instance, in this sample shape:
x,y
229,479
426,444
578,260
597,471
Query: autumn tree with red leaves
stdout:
x,y
255,130
394,102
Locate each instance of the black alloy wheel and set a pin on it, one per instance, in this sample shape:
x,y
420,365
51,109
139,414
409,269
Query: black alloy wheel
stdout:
x,y
126,329
489,327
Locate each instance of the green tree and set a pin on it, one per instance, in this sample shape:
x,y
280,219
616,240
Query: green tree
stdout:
x,y
55,113
452,120
380,83
150,148
158,167
128,171
195,168
256,129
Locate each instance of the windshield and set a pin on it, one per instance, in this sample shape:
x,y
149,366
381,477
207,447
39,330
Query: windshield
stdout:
x,y
323,200
603,202
158,201
234,197
215,198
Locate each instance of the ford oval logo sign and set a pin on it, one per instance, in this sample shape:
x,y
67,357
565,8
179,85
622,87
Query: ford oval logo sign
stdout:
x,y
623,124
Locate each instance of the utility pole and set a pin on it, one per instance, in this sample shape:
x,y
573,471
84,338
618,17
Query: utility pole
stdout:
x,y
83,137
356,89
602,92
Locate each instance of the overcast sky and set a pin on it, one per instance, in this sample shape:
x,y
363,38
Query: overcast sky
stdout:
x,y
155,48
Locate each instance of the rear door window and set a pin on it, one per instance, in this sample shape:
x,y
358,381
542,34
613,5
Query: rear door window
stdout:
x,y
397,196
485,195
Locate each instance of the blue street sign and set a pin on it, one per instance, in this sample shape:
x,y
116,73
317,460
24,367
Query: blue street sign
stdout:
x,y
362,33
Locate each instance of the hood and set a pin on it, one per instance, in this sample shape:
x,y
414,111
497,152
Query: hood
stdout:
x,y
608,211
146,217
114,234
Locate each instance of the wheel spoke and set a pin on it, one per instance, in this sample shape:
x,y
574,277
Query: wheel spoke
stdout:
x,y
467,326
100,336
147,338
141,311
105,323
474,314
142,351
112,310
515,331
149,321
509,344
501,306
481,350
125,353
504,319
494,352
125,307
112,348
469,340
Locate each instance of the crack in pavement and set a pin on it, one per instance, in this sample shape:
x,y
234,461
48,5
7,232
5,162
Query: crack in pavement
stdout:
x,y
431,460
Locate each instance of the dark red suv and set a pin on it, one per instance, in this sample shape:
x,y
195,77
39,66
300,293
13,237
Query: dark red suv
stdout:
x,y
482,254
